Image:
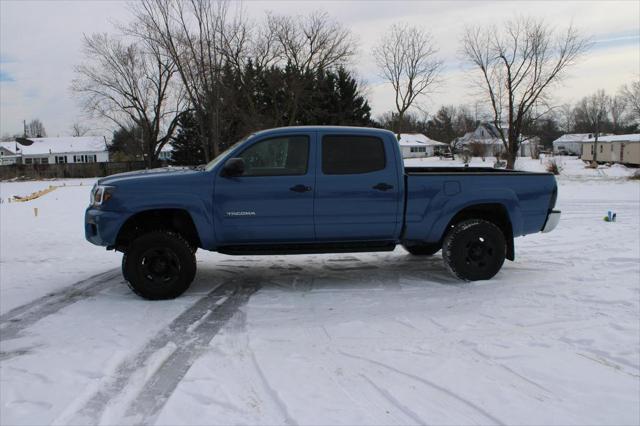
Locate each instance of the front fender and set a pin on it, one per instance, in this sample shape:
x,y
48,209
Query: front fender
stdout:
x,y
195,206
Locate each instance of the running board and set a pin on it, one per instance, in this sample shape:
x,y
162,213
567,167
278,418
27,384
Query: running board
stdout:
x,y
313,248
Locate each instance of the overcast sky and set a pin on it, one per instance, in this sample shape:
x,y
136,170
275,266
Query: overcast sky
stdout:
x,y
40,42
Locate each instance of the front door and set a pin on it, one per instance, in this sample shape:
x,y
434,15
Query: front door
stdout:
x,y
357,189
272,202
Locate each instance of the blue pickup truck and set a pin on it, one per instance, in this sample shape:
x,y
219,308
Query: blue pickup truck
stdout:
x,y
314,189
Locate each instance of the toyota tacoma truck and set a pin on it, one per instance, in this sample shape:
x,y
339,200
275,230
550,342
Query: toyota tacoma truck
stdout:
x,y
314,189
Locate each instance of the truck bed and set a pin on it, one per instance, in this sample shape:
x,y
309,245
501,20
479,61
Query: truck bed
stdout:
x,y
435,194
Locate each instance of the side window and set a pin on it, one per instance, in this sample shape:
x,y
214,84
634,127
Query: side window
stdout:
x,y
280,156
345,155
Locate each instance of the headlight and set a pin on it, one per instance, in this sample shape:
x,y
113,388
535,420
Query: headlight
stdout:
x,y
101,194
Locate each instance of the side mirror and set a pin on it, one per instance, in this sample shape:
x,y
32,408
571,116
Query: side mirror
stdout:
x,y
233,167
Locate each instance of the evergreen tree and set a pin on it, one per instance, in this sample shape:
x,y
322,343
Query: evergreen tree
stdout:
x,y
187,149
440,127
255,98
353,109
126,144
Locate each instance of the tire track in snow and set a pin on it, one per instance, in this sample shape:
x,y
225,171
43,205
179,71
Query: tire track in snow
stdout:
x,y
288,420
429,384
144,382
401,407
17,319
239,327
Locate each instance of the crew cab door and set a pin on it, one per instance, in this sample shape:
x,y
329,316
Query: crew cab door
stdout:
x,y
272,201
357,188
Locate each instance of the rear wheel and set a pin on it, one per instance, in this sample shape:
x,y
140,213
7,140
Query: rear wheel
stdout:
x,y
474,250
159,265
423,250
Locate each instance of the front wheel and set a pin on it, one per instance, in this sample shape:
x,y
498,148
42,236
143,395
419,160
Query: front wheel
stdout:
x,y
159,265
474,250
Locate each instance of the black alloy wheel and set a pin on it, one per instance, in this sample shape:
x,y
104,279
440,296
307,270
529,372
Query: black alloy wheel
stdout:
x,y
474,250
159,265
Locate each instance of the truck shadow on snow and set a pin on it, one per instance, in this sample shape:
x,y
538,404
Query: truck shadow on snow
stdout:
x,y
335,272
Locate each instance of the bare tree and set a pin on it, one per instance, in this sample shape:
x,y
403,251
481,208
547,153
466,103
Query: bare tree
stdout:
x,y
631,96
566,116
311,43
593,110
617,108
198,36
35,129
130,84
78,129
406,57
517,66
206,38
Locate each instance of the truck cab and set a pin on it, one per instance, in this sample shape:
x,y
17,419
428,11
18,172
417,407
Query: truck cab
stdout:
x,y
295,189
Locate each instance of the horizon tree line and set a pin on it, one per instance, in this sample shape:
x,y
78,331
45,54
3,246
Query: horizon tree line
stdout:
x,y
201,68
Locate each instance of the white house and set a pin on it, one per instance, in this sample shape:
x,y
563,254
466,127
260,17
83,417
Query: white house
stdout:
x,y
7,156
166,153
413,145
487,136
571,143
63,150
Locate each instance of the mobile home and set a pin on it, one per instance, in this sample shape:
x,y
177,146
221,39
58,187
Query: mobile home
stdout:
x,y
623,149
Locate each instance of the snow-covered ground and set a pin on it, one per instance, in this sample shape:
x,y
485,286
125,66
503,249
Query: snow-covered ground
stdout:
x,y
45,253
379,338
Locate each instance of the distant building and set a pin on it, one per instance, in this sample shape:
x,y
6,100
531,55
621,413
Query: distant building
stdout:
x,y
166,153
624,149
7,156
415,145
486,137
571,143
63,150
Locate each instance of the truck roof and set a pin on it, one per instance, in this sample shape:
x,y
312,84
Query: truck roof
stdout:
x,y
333,129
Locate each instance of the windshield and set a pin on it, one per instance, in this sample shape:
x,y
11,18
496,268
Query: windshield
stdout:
x,y
211,164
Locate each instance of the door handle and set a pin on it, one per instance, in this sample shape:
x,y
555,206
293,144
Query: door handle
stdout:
x,y
382,186
300,188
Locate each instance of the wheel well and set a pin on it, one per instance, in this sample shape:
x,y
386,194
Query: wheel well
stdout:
x,y
176,220
494,213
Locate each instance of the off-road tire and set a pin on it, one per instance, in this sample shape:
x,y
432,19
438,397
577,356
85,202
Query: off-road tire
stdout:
x,y
159,265
474,250
423,250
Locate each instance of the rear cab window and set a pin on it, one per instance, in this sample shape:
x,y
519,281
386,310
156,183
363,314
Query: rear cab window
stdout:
x,y
345,155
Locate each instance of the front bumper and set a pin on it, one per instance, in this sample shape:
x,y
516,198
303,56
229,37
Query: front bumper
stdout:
x,y
552,221
101,227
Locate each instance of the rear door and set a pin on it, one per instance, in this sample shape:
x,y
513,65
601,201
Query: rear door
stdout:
x,y
272,202
357,188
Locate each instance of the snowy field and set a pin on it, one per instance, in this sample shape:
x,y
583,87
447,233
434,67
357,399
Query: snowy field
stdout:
x,y
377,338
